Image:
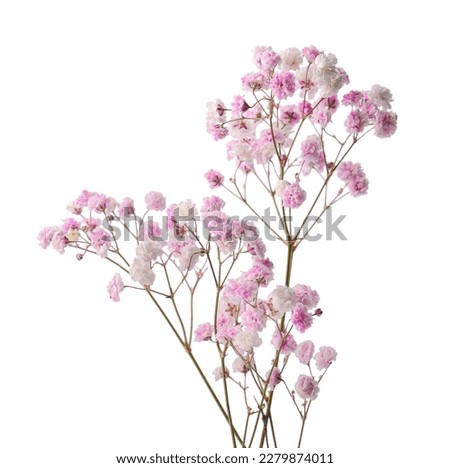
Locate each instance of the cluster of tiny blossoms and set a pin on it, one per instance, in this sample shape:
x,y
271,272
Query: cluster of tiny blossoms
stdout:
x,y
278,131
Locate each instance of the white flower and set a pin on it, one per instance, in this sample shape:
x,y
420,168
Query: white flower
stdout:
x,y
218,374
325,75
185,209
291,59
141,272
242,152
216,111
189,257
149,250
283,299
247,340
381,96
280,187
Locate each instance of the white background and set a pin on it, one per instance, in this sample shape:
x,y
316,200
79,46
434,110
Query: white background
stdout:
x,y
110,96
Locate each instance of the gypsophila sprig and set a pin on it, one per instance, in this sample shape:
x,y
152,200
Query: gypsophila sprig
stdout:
x,y
290,129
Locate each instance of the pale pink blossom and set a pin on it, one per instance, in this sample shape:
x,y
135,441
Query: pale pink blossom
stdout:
x,y
312,154
293,196
149,250
256,247
290,115
155,201
305,351
204,332
214,178
306,296
211,204
126,208
325,357
301,319
291,59
246,340
283,299
254,317
216,111
381,96
141,272
283,84
307,388
239,365
45,236
218,373
189,257
115,287
254,81
356,121
385,124
59,241
310,53
261,272
218,131
280,187
101,241
274,379
265,58
285,342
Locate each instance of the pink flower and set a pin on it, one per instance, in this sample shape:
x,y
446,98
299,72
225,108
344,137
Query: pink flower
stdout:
x,y
101,203
305,351
275,378
356,121
155,201
256,247
353,98
301,318
101,241
244,290
59,241
211,204
239,365
254,82
283,84
354,176
385,124
217,131
312,155
293,196
306,296
325,357
266,59
115,287
307,388
45,236
218,373
126,208
216,111
290,115
286,342
261,272
214,178
254,317
239,106
204,332
310,53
